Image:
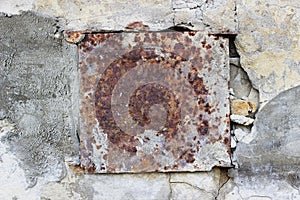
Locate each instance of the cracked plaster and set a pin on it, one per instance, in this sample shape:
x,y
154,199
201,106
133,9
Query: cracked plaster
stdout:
x,y
268,44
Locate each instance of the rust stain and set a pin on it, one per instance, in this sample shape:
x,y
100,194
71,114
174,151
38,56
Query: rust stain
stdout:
x,y
152,101
137,26
77,169
74,36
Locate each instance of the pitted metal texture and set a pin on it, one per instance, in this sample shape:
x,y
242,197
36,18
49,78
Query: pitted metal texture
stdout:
x,y
153,101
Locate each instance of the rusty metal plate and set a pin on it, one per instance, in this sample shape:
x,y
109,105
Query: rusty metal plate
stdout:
x,y
153,101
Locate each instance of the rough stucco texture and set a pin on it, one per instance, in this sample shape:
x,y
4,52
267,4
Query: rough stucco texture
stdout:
x,y
269,44
36,86
39,99
115,15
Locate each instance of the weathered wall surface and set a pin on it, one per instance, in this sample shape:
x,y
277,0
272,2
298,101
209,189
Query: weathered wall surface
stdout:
x,y
269,43
39,99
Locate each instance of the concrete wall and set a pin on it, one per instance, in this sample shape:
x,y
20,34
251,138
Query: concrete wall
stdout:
x,y
39,99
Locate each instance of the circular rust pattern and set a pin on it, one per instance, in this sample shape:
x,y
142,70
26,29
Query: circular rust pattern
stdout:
x,y
149,95
152,101
145,97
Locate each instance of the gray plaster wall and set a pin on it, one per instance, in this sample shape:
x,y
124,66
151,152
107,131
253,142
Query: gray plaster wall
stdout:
x,y
39,109
38,83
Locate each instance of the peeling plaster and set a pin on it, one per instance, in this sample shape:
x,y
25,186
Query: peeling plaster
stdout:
x,y
267,42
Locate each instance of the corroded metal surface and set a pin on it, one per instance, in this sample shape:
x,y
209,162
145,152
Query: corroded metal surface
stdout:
x,y
154,102
74,37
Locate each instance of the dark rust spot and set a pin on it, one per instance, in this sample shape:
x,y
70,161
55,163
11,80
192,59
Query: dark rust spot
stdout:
x,y
74,37
92,168
203,43
190,158
175,166
91,40
196,82
203,128
216,37
149,95
139,26
208,46
226,141
77,169
192,33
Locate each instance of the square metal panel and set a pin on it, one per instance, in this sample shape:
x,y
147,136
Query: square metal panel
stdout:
x,y
153,101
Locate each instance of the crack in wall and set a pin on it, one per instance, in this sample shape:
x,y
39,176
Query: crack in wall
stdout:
x,y
220,187
182,5
244,101
170,187
201,185
191,185
176,9
236,20
235,64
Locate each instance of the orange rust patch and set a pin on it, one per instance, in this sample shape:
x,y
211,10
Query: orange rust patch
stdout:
x,y
74,36
77,169
138,26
